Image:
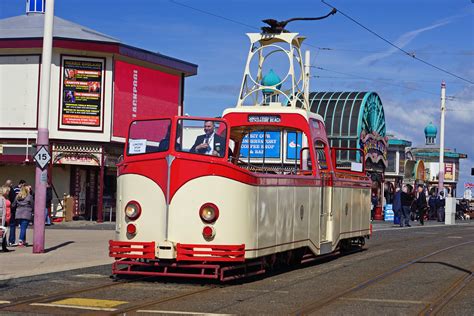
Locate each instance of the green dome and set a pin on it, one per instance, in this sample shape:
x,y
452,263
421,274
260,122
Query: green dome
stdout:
x,y
271,79
431,130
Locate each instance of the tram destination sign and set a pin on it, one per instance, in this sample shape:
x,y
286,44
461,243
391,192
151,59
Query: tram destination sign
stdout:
x,y
264,118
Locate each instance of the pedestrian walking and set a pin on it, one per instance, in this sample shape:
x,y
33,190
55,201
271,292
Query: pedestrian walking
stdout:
x,y
24,204
5,214
49,199
440,205
406,200
13,222
432,200
421,204
397,205
374,202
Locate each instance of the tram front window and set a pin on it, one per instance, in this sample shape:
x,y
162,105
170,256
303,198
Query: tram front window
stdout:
x,y
148,136
202,137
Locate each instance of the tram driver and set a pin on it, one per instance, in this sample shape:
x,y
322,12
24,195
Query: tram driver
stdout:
x,y
210,143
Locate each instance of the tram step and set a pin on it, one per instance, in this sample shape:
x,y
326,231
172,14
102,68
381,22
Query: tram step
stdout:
x,y
325,247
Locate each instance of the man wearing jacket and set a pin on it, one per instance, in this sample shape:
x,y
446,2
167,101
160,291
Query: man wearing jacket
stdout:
x,y
210,143
406,200
421,204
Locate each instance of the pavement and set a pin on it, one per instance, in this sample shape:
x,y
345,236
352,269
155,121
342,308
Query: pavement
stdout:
x,y
68,246
83,244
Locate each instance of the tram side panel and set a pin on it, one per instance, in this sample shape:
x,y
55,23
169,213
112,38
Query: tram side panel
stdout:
x,y
301,215
267,218
314,219
284,224
355,217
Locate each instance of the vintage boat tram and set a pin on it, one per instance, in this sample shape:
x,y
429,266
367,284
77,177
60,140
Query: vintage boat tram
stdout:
x,y
228,197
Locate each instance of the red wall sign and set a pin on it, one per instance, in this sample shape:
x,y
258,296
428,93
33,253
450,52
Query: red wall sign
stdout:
x,y
141,93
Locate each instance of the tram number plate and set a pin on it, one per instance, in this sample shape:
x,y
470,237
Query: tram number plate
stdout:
x,y
264,118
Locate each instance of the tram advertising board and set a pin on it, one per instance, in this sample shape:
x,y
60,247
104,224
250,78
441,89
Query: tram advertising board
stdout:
x,y
257,148
293,145
82,90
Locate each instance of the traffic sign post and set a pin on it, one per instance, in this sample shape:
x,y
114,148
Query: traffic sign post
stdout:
x,y
42,157
42,140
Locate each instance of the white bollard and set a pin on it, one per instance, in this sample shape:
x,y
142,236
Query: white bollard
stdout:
x,y
450,211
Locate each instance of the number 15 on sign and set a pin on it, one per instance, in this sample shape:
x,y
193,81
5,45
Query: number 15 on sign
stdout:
x,y
42,157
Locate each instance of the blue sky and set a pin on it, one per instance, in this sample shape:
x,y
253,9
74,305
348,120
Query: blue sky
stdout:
x,y
438,31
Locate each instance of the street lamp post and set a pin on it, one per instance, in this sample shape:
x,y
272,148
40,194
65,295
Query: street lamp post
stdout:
x,y
441,138
43,131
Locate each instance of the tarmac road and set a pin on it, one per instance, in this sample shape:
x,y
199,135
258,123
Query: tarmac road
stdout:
x,y
401,272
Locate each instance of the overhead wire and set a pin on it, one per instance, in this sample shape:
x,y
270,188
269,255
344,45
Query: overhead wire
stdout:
x,y
308,44
412,55
382,81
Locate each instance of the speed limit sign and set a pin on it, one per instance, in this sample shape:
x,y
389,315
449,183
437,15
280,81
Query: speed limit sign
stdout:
x,y
42,157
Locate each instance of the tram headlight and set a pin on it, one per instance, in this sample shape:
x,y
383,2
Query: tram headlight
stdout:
x,y
133,210
209,213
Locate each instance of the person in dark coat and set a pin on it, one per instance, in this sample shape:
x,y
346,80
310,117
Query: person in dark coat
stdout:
x,y
210,143
397,204
440,205
421,204
49,199
406,200
432,204
374,202
13,221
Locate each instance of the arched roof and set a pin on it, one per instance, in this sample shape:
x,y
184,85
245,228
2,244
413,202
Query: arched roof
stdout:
x,y
347,114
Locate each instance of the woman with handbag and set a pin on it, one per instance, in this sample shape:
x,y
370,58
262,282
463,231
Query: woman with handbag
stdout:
x,y
24,204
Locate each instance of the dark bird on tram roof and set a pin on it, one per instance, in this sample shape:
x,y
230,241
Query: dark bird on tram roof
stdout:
x,y
277,27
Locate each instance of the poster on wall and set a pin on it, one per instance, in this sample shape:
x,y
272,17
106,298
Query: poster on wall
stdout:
x,y
142,93
448,171
82,92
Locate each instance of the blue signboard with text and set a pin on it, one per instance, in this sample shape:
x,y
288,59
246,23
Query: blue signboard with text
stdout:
x,y
293,145
261,144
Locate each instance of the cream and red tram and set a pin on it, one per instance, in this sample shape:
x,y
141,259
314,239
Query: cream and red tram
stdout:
x,y
271,191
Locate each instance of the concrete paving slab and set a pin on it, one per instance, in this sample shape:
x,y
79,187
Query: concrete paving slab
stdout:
x,y
65,249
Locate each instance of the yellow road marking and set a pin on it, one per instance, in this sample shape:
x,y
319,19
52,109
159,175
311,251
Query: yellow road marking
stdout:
x,y
89,302
4,302
76,307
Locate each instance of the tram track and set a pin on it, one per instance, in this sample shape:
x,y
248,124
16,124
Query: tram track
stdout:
x,y
437,305
448,295
154,302
62,294
16,306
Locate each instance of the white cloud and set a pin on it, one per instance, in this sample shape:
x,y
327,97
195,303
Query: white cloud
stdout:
x,y
404,40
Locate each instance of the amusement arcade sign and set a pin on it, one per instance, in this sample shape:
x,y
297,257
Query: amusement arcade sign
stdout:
x,y
374,147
